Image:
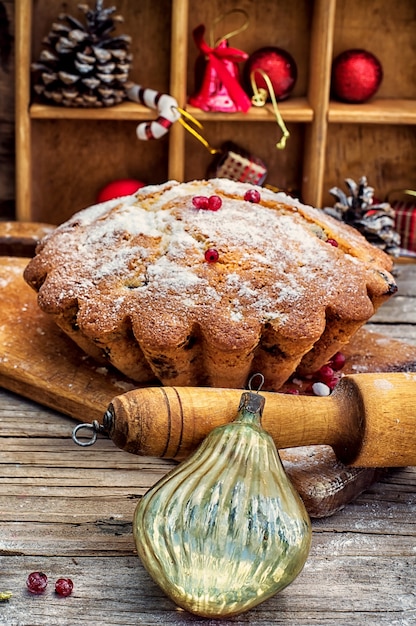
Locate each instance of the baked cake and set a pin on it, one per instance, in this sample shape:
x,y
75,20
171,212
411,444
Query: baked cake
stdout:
x,y
206,282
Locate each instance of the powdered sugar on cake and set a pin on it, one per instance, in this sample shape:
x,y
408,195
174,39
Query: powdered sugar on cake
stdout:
x,y
155,243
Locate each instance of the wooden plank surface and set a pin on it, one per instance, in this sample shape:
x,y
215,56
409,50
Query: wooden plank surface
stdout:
x,y
67,511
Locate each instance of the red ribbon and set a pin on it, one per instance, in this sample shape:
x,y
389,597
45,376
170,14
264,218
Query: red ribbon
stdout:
x,y
216,57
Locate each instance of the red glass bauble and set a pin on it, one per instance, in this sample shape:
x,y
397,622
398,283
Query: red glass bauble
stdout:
x,y
356,76
279,66
119,188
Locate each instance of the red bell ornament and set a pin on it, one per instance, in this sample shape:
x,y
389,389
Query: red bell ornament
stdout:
x,y
220,88
356,76
279,66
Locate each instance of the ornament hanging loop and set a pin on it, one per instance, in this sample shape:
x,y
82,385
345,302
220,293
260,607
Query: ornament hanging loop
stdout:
x,y
216,42
259,99
193,131
251,401
260,385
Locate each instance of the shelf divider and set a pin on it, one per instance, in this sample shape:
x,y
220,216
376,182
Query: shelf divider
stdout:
x,y
322,36
178,73
23,29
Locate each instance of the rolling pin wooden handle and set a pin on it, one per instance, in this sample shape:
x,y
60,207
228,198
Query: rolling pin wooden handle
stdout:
x,y
369,420
170,422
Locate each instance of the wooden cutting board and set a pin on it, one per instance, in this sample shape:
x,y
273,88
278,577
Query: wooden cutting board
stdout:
x,y
39,362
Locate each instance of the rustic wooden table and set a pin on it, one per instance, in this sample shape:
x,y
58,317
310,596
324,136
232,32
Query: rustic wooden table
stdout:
x,y
67,511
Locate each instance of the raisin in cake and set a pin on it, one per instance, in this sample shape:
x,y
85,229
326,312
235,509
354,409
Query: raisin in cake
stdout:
x,y
206,282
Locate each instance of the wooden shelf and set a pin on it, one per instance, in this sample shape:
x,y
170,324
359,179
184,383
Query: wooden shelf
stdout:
x,y
64,156
379,111
123,111
293,110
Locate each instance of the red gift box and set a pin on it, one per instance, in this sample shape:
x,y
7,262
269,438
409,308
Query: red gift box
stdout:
x,y
405,223
238,164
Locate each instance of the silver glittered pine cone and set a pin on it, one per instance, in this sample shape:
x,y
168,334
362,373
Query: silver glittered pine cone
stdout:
x,y
376,221
82,64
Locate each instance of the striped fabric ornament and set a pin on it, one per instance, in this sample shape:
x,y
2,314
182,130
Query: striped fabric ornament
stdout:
x,y
164,104
405,222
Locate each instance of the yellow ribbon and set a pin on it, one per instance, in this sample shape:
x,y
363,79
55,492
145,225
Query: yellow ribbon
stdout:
x,y
259,99
407,192
232,33
193,131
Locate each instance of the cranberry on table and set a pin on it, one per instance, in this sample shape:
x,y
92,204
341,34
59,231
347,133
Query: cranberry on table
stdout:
x,y
64,586
338,361
326,374
37,582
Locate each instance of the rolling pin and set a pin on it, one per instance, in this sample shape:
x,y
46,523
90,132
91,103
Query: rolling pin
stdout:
x,y
369,420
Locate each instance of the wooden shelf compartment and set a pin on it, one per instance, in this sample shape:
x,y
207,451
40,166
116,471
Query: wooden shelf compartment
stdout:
x,y
384,153
65,155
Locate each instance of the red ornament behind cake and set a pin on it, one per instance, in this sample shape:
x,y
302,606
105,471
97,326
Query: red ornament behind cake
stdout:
x,y
119,188
356,76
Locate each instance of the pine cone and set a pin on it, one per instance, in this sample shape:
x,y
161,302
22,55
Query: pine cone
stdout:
x,y
375,221
83,65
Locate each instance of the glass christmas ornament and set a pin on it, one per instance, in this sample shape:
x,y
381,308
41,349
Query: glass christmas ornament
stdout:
x,y
356,76
225,530
279,66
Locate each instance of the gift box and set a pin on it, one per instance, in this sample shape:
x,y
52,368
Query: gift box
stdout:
x,y
405,223
238,164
